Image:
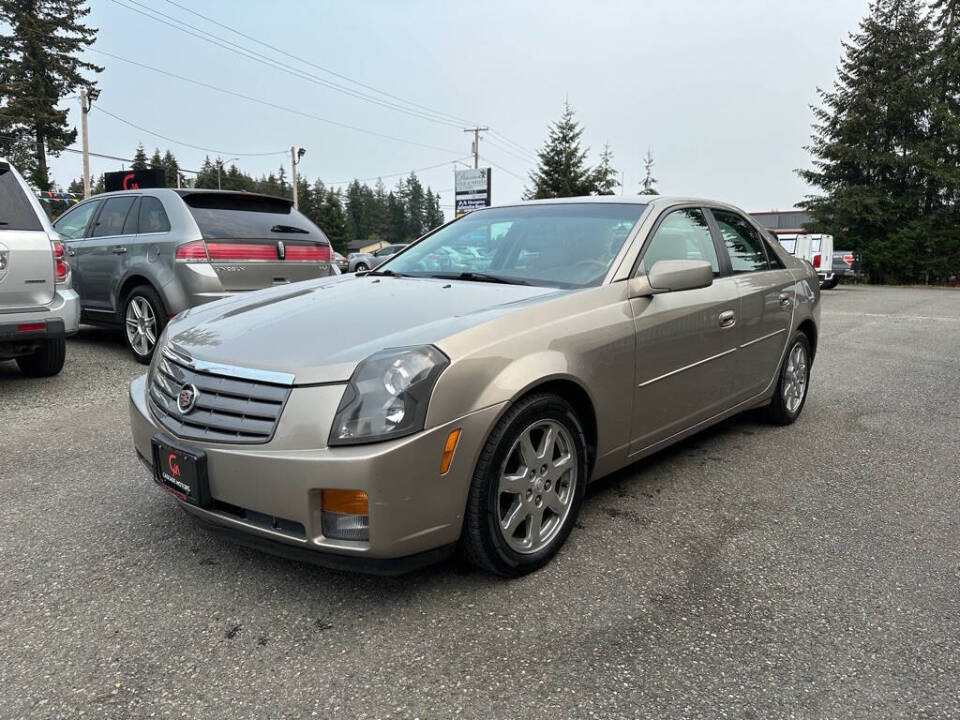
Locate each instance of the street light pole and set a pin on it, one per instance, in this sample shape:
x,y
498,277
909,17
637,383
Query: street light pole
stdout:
x,y
86,98
295,155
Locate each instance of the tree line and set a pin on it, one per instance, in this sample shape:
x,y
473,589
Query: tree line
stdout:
x,y
886,144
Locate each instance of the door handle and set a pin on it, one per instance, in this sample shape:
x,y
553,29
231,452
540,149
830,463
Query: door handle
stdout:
x,y
728,318
119,250
784,300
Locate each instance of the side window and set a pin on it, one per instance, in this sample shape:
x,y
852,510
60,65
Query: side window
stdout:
x,y
744,244
683,235
71,225
113,216
153,218
132,222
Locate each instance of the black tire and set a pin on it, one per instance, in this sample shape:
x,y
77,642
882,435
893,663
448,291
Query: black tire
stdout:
x,y
361,267
830,284
45,361
778,412
148,294
482,542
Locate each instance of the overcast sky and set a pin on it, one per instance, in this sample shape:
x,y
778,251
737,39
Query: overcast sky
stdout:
x,y
719,91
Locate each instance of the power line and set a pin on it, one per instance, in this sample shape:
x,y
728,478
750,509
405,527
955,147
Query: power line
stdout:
x,y
186,144
268,61
393,175
273,105
500,167
520,148
453,118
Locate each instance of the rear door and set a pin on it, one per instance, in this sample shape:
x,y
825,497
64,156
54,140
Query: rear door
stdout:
x,y
102,256
767,299
255,241
26,256
72,227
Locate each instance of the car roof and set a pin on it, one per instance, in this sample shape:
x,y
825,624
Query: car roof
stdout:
x,y
624,199
184,192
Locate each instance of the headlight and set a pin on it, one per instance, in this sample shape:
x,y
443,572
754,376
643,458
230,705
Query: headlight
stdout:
x,y
387,395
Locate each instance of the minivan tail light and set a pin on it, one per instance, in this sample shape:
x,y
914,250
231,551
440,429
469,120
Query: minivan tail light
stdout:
x,y
816,261
60,267
192,252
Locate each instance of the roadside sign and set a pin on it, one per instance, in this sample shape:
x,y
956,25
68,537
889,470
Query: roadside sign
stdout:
x,y
471,190
134,179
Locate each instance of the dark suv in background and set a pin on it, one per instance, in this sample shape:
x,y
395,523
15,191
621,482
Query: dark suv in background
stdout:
x,y
139,257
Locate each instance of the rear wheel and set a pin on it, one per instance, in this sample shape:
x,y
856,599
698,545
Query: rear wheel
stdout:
x,y
527,487
830,284
794,381
46,360
144,318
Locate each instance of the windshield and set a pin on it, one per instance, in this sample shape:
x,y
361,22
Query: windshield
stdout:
x,y
561,245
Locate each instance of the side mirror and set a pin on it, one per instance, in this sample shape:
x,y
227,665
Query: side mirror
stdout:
x,y
677,275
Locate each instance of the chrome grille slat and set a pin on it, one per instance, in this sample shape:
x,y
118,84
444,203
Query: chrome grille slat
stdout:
x,y
227,410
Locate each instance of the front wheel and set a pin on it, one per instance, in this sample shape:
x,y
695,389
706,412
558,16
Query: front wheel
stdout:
x,y
793,383
143,320
527,487
361,267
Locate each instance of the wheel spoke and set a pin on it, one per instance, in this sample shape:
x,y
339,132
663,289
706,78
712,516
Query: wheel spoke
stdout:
x,y
534,526
560,466
515,516
514,484
148,331
135,306
527,452
552,501
547,444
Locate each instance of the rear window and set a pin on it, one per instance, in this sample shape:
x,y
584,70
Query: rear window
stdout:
x,y
16,210
248,217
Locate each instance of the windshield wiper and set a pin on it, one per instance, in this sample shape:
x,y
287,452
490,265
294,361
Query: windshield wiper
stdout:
x,y
480,277
385,273
288,229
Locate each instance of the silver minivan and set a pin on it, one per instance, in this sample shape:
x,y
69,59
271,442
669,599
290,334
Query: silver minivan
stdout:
x,y
141,256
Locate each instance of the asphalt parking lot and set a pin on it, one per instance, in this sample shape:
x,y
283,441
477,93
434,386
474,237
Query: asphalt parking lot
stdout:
x,y
751,572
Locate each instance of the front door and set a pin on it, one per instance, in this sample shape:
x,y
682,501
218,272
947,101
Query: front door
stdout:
x,y
686,340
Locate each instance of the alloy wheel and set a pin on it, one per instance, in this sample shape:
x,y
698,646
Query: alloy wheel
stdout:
x,y
537,485
141,325
795,378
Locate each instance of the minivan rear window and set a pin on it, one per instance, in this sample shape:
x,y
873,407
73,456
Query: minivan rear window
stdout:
x,y
223,216
16,210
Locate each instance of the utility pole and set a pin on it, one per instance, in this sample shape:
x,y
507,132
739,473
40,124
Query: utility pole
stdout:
x,y
476,143
86,99
295,155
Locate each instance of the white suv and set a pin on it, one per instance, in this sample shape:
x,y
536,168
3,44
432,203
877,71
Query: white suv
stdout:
x,y
38,308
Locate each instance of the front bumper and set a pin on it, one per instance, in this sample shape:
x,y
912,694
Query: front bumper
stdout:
x,y
269,495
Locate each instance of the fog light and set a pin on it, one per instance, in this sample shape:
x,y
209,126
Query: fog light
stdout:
x,y
345,515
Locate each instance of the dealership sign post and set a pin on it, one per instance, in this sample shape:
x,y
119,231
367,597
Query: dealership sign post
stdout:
x,y
134,179
472,190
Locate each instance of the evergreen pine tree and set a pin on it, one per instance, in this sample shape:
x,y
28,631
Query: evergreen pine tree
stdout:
x,y
39,66
605,175
156,161
140,161
381,214
869,139
649,182
416,207
171,169
561,167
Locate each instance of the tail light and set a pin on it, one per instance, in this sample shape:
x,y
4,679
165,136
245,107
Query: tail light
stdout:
x,y
60,267
194,251
308,252
848,259
816,261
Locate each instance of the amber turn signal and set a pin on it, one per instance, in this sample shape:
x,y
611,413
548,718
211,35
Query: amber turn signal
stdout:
x,y
345,502
448,449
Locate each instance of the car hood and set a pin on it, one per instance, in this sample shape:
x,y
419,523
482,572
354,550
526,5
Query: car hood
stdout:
x,y
320,329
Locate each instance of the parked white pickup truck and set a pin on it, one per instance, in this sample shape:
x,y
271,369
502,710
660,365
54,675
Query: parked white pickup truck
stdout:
x,y
817,250
38,308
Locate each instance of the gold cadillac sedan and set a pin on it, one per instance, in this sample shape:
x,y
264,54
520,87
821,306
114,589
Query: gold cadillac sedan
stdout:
x,y
488,372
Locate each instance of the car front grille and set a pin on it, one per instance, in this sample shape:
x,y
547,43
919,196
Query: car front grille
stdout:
x,y
226,409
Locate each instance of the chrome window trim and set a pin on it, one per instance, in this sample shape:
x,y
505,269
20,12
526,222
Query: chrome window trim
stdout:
x,y
230,371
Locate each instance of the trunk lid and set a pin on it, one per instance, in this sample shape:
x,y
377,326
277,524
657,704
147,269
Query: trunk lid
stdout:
x,y
26,255
255,241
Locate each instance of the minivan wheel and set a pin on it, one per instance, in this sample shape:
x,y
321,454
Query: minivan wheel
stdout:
x,y
46,360
144,318
793,384
527,487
